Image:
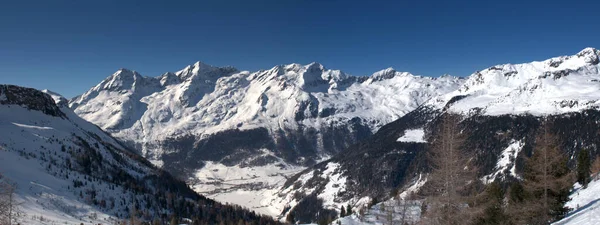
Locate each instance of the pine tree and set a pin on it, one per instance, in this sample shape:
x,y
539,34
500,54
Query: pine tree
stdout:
x,y
583,167
348,210
452,173
173,220
290,218
492,201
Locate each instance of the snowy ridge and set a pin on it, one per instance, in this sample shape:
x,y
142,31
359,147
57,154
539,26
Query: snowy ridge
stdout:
x,y
557,85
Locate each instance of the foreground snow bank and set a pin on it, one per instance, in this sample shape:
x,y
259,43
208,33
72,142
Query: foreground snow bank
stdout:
x,y
585,204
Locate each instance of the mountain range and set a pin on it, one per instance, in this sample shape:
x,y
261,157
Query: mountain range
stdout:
x,y
305,139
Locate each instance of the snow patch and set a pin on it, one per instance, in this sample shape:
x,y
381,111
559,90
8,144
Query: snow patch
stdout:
x,y
415,135
336,184
506,161
414,188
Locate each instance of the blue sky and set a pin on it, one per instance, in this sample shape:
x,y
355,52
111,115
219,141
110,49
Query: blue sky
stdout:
x,y
70,46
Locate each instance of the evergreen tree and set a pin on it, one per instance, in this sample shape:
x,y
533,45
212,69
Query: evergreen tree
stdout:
x,y
349,210
492,200
583,167
173,220
290,218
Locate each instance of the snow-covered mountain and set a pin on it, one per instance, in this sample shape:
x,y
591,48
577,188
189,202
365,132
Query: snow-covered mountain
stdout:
x,y
204,118
556,85
237,135
67,170
503,105
202,100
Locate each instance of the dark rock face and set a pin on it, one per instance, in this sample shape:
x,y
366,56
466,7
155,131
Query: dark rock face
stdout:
x,y
29,98
379,165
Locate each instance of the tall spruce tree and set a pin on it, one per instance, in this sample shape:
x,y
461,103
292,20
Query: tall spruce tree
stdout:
x,y
584,165
492,201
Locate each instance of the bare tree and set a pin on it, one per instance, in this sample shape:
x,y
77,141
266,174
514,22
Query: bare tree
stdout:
x,y
9,208
547,180
404,204
389,214
452,172
596,168
133,217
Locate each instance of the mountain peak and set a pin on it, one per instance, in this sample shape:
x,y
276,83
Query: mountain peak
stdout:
x,y
58,99
29,98
388,73
588,49
203,69
314,66
591,55
123,78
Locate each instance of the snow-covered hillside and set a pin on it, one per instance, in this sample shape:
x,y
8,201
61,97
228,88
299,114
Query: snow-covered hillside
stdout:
x,y
68,171
585,203
502,105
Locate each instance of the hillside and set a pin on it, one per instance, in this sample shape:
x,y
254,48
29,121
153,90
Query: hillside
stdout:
x,y
67,170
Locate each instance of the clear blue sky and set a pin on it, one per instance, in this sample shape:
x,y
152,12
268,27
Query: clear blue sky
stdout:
x,y
70,46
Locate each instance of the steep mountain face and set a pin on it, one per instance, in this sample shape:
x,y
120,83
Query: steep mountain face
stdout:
x,y
503,105
67,170
203,119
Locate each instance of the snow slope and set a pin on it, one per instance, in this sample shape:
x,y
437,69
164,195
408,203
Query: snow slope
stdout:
x,y
396,210
31,157
585,204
